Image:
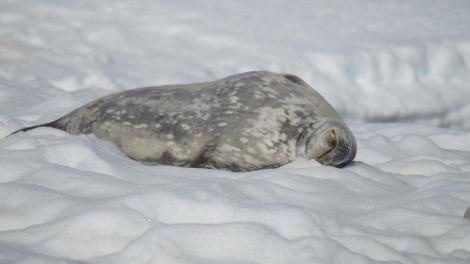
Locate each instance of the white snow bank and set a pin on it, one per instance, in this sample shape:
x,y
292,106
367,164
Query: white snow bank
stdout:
x,y
427,83
78,198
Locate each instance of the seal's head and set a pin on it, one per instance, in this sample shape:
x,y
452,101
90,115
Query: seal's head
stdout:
x,y
333,146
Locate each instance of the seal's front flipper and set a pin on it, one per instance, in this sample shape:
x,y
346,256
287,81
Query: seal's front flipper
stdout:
x,y
467,214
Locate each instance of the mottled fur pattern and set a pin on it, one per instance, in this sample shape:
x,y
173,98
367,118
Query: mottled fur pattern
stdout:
x,y
243,122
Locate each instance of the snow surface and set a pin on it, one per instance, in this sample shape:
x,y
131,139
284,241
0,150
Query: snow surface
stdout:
x,y
78,199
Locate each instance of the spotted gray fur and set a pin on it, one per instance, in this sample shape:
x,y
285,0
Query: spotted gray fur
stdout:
x,y
243,122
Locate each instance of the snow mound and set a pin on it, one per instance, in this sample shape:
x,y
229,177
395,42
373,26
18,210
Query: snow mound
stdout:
x,y
79,198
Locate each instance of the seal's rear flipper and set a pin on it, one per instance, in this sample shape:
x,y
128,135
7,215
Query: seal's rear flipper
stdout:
x,y
51,124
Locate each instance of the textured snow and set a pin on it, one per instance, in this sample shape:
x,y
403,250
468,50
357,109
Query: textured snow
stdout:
x,y
397,71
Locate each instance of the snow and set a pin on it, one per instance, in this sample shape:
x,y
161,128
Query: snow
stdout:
x,y
397,71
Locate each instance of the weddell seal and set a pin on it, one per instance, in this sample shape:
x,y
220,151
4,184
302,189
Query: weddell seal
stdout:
x,y
243,122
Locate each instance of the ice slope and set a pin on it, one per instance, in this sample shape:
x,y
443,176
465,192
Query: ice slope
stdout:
x,y
77,199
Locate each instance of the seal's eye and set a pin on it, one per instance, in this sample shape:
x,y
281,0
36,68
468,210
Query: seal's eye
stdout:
x,y
330,143
319,146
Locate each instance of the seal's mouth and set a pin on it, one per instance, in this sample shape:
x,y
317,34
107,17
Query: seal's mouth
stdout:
x,y
336,148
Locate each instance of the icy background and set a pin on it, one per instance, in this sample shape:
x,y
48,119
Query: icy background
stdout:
x,y
397,71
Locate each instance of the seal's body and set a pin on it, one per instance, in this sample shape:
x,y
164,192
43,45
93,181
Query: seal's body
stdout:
x,y
243,122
